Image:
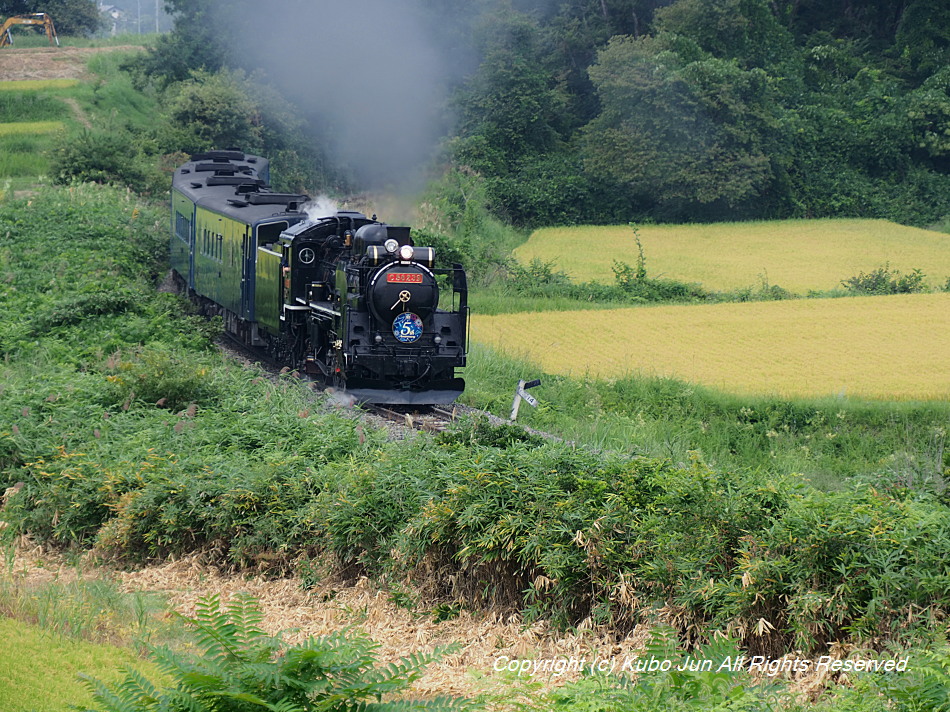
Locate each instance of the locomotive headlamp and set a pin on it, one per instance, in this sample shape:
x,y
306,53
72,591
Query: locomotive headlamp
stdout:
x,y
437,340
378,339
406,252
391,245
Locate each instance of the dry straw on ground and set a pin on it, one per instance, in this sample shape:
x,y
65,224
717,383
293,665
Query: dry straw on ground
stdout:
x,y
46,63
481,637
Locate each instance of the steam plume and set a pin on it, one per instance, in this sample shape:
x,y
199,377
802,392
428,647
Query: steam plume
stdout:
x,y
369,71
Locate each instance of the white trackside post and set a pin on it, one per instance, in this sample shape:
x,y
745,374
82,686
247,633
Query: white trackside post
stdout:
x,y
521,394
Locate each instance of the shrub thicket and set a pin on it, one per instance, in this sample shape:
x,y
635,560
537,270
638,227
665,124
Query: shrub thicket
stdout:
x,y
884,280
549,530
105,155
130,436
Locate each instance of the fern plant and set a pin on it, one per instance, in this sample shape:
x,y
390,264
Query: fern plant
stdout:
x,y
925,687
241,668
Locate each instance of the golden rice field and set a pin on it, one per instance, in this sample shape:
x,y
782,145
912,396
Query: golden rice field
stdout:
x,y
799,255
38,84
30,127
890,347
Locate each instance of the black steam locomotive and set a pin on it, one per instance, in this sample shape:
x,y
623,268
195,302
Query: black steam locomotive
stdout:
x,y
342,297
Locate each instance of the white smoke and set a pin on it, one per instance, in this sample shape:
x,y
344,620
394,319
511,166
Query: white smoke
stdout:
x,y
370,74
322,206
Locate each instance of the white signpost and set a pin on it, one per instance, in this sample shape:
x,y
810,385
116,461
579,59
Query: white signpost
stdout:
x,y
521,394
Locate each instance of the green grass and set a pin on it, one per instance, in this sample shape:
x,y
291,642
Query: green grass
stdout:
x,y
29,122
25,37
16,106
31,118
24,143
93,609
830,441
13,184
62,621
110,96
24,155
22,165
23,149
499,299
40,668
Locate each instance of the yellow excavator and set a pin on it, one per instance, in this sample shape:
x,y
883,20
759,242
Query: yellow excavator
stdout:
x,y
37,18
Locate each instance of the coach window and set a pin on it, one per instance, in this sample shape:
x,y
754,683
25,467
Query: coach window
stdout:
x,y
268,233
182,227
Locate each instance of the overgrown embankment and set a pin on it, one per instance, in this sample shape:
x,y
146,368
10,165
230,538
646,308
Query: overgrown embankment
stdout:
x,y
132,435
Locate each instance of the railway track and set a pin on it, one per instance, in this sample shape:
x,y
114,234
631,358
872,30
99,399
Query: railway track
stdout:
x,y
431,419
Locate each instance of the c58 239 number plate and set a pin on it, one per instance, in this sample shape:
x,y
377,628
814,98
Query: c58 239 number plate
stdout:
x,y
404,277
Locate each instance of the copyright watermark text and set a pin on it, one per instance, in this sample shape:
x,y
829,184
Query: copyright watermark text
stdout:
x,y
560,665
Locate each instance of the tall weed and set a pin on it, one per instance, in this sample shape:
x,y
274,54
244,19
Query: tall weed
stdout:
x,y
885,280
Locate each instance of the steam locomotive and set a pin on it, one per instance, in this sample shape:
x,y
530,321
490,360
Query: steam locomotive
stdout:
x,y
344,298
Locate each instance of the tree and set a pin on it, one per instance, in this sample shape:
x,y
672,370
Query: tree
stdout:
x,y
512,106
923,37
744,30
679,133
197,41
928,110
873,21
511,114
212,111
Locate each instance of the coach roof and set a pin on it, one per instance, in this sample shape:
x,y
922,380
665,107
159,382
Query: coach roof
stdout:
x,y
235,184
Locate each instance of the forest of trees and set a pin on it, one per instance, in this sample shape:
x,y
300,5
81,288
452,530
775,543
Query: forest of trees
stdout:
x,y
713,109
576,111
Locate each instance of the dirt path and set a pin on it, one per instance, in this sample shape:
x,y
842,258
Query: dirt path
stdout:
x,y
77,111
18,64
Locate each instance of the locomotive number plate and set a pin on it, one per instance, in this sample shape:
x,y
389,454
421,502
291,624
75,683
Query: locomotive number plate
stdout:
x,y
404,277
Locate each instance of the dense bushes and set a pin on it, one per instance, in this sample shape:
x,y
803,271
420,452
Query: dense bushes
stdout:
x,y
211,111
549,530
130,436
104,155
140,133
884,280
88,291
